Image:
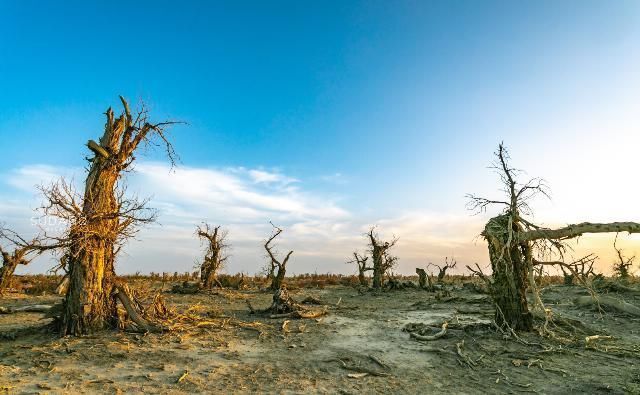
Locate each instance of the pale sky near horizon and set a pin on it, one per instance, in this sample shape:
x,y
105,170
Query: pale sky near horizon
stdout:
x,y
328,117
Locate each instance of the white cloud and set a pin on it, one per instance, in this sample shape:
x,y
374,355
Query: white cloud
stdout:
x,y
27,178
322,233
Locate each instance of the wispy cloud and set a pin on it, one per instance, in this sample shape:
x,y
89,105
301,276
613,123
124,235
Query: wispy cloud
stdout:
x,y
322,233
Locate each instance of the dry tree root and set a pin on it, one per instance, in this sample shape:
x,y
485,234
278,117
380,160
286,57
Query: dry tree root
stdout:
x,y
364,371
284,306
419,331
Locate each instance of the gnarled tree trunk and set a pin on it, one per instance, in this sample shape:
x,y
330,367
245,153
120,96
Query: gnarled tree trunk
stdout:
x,y
106,218
6,272
90,303
277,278
509,266
382,262
213,259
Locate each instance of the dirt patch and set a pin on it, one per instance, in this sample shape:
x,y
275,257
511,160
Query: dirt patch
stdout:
x,y
360,346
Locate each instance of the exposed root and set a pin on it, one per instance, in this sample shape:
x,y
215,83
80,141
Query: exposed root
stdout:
x,y
37,308
284,306
418,331
361,369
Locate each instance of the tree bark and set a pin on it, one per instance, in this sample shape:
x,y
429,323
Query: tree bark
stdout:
x,y
378,271
90,302
6,273
509,286
278,278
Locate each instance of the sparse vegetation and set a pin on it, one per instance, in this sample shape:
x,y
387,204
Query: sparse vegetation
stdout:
x,y
209,306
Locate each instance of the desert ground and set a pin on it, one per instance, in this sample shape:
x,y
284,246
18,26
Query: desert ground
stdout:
x,y
361,345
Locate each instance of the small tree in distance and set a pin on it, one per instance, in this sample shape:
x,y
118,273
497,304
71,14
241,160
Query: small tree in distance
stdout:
x,y
276,268
383,262
214,258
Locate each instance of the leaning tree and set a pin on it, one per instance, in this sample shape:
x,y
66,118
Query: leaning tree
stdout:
x,y
276,268
516,244
383,262
214,258
101,219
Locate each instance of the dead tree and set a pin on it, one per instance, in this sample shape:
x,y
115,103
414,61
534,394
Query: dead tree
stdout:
x,y
382,260
425,280
513,242
277,277
101,220
622,266
442,270
361,261
214,258
24,251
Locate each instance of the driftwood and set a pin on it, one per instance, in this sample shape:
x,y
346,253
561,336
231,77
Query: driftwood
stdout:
x,y
37,308
609,303
418,331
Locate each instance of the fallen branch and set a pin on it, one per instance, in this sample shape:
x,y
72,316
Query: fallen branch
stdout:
x,y
361,369
37,308
143,325
609,303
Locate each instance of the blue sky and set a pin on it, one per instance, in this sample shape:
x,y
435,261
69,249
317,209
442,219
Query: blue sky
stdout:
x,y
328,116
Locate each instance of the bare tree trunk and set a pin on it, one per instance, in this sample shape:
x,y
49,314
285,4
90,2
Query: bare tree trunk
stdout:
x,y
6,273
382,262
509,284
213,260
277,279
90,304
378,271
102,221
362,279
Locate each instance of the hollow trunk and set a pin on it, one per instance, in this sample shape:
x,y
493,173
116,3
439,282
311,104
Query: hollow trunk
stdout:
x,y
509,286
90,303
6,273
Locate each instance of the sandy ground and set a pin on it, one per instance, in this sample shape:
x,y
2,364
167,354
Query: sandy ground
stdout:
x,y
363,333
